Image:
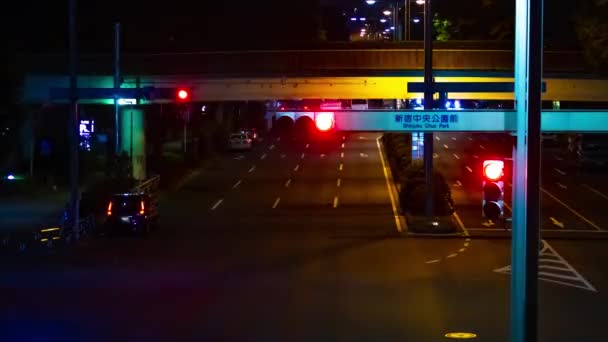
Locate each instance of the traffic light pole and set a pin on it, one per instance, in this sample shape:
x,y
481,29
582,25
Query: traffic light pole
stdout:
x,y
428,105
73,126
526,199
116,86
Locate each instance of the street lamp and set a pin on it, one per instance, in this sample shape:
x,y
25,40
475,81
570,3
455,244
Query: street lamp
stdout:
x,y
387,12
370,2
420,2
382,20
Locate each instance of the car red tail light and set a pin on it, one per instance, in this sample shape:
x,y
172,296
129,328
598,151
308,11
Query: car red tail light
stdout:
x,y
142,208
110,209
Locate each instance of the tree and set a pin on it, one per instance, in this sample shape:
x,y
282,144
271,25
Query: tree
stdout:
x,y
442,28
592,32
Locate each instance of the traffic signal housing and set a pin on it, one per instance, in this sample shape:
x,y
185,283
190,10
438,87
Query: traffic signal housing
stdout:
x,y
324,121
493,189
182,94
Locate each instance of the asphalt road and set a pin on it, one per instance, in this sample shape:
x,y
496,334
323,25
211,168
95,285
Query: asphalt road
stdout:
x,y
294,241
571,200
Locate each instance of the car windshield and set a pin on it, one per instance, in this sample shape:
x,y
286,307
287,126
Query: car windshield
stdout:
x,y
311,170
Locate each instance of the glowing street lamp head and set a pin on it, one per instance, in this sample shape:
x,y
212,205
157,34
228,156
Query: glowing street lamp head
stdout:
x,y
324,121
382,20
387,12
370,2
420,2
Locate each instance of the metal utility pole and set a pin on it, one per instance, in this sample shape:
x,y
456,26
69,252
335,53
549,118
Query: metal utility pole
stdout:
x,y
406,23
73,125
428,105
526,197
395,22
116,86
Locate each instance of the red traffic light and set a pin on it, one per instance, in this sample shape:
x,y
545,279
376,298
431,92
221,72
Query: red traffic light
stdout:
x,y
493,169
324,121
183,94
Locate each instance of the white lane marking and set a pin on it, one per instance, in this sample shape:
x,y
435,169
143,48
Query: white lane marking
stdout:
x,y
549,255
341,167
559,171
279,139
454,138
437,138
435,156
236,185
288,183
597,192
283,156
589,222
296,168
342,155
338,182
445,146
271,147
469,169
344,137
302,156
322,155
555,222
335,201
307,145
263,156
467,240
456,156
362,138
363,155
239,157
475,156
481,147
452,255
462,250
466,244
432,261
251,169
458,183
343,144
276,203
559,158
470,138
388,187
562,186
217,204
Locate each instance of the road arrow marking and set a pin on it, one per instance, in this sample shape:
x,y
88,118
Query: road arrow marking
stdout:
x,y
488,223
556,222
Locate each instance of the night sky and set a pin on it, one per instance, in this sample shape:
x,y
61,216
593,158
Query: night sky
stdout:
x,y
196,25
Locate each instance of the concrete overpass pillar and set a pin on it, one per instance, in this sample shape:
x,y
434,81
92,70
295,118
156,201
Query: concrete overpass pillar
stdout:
x,y
133,139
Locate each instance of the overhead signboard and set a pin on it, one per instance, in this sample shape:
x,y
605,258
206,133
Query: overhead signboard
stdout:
x,y
459,120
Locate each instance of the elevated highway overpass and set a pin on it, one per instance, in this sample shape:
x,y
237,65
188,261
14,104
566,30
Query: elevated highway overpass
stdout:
x,y
328,71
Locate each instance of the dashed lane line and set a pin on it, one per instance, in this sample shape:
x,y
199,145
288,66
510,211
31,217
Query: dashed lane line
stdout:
x,y
341,154
296,168
335,201
251,169
469,169
339,182
343,144
456,156
388,187
236,185
263,156
302,156
445,146
559,171
217,204
288,183
307,145
276,203
482,147
432,261
341,167
452,255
